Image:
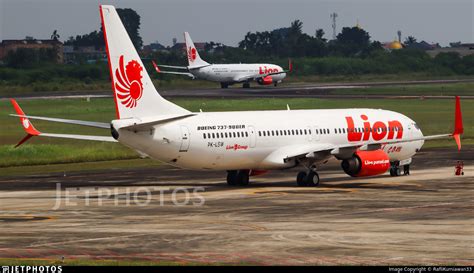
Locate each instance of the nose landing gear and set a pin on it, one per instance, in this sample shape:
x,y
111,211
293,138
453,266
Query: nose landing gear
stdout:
x,y
395,169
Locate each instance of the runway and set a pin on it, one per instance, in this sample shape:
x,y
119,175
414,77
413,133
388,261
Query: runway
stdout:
x,y
424,218
314,90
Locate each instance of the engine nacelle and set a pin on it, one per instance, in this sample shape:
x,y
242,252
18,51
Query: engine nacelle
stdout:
x,y
265,81
366,163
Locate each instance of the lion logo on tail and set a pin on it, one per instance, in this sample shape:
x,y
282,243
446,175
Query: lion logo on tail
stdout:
x,y
129,86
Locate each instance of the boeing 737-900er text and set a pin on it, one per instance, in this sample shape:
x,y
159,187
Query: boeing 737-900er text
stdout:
x,y
226,74
368,142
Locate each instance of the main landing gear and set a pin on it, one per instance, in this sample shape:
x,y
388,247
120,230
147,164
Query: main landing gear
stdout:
x,y
224,85
307,179
396,169
240,178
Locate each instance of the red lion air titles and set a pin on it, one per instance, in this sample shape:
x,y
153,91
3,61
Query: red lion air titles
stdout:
x,y
266,70
379,130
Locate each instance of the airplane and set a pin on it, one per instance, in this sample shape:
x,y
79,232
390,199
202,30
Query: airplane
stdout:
x,y
368,142
226,74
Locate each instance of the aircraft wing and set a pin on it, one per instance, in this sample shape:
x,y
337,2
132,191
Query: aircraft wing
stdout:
x,y
170,66
173,72
31,131
103,125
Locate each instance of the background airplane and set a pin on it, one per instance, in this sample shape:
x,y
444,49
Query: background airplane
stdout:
x,y
368,142
226,74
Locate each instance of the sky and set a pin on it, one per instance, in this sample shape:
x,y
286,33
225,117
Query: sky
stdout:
x,y
227,21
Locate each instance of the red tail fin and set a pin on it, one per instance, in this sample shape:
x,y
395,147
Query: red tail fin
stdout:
x,y
458,126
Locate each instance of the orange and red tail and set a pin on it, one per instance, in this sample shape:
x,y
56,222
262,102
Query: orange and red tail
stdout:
x,y
25,122
458,125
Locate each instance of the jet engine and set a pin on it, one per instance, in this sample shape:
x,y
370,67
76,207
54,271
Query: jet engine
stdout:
x,y
265,81
366,163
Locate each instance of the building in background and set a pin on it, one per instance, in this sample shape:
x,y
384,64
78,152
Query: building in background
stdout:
x,y
8,46
460,48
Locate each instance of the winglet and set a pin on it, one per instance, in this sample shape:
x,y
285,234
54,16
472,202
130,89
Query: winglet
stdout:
x,y
458,125
27,125
156,67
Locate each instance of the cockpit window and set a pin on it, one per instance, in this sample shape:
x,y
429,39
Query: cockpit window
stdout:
x,y
416,126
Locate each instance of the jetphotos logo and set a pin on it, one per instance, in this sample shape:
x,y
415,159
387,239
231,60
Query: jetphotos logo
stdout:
x,y
192,54
128,84
378,130
266,70
31,269
236,147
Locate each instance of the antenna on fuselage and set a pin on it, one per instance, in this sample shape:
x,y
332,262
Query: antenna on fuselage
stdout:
x,y
288,107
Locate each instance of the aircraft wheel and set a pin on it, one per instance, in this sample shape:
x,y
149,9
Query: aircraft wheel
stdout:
x,y
275,84
312,179
301,179
231,178
243,178
406,170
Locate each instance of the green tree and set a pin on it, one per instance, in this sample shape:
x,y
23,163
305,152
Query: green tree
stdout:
x,y
131,21
410,40
320,34
55,36
352,41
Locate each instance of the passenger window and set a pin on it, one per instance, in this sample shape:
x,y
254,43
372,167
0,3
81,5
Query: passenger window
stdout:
x,y
234,134
213,136
204,136
246,134
259,133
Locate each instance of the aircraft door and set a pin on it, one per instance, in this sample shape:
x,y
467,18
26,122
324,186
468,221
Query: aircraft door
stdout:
x,y
184,139
253,136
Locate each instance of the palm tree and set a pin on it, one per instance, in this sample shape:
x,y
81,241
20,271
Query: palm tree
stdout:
x,y
296,26
55,36
410,40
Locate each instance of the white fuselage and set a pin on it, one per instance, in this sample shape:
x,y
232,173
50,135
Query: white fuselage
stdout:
x,y
246,140
233,73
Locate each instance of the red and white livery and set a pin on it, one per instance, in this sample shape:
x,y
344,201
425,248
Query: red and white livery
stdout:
x,y
367,141
226,74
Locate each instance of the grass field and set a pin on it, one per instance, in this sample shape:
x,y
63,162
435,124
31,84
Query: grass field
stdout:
x,y
178,82
449,89
433,115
